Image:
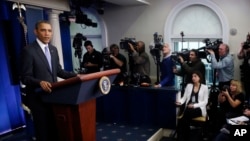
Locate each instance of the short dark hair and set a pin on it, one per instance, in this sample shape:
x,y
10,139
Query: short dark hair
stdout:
x,y
41,22
114,46
195,52
88,43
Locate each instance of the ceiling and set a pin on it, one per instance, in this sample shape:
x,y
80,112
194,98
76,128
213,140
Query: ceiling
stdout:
x,y
128,2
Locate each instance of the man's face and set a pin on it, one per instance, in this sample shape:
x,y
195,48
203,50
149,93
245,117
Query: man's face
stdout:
x,y
44,32
139,46
114,50
89,49
166,49
222,50
192,56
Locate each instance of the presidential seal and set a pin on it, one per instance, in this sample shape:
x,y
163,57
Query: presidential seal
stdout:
x,y
104,85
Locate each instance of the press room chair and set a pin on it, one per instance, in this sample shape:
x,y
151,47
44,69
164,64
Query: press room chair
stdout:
x,y
196,123
200,123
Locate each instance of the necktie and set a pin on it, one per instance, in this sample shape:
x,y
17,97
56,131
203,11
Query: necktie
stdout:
x,y
47,54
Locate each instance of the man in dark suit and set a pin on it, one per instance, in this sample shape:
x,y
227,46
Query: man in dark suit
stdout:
x,y
37,73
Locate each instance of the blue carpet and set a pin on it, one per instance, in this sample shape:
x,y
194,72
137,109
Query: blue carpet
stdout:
x,y
121,132
105,132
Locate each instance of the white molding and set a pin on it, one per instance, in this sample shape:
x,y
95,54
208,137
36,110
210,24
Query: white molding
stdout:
x,y
62,5
186,3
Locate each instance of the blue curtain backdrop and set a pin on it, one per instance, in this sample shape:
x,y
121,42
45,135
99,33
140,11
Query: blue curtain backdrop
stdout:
x,y
11,41
66,45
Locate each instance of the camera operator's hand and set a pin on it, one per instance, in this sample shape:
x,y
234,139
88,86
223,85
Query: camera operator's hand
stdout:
x,y
116,60
131,47
210,51
181,59
111,56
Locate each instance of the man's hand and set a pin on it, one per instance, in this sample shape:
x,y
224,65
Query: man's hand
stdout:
x,y
210,51
46,86
111,56
181,59
131,47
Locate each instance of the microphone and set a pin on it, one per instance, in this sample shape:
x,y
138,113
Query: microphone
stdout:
x,y
182,33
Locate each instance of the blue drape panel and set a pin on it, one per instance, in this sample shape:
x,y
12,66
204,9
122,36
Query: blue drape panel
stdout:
x,y
11,39
66,46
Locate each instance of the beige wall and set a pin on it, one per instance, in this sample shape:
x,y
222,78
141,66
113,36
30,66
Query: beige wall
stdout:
x,y
142,21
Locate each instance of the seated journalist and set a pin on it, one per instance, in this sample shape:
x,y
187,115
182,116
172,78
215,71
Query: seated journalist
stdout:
x,y
195,99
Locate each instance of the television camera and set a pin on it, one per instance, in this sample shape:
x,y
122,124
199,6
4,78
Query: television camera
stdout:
x,y
184,54
124,43
106,58
202,53
246,44
77,45
155,51
157,46
213,46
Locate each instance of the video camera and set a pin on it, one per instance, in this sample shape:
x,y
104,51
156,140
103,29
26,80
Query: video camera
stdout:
x,y
184,54
77,44
246,44
212,45
158,45
124,43
106,58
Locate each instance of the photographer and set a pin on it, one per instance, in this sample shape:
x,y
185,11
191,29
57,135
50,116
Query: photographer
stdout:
x,y
188,67
225,65
92,59
244,54
117,60
166,67
231,101
141,59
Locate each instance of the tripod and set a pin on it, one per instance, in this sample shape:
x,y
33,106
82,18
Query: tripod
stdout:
x,y
157,62
78,54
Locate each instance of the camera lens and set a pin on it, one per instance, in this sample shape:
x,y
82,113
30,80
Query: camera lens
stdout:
x,y
225,87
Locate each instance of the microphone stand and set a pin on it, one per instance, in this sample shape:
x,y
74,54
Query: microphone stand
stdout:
x,y
183,85
158,56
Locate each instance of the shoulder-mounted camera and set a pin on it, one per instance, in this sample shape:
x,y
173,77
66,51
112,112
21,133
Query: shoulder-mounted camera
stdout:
x,y
124,43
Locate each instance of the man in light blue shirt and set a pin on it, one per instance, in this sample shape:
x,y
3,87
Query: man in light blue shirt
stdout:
x,y
225,65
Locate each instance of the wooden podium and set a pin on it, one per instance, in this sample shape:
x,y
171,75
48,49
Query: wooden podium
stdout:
x,y
74,104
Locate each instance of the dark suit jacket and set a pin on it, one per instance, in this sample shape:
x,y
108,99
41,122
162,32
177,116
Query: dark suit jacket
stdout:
x,y
35,68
